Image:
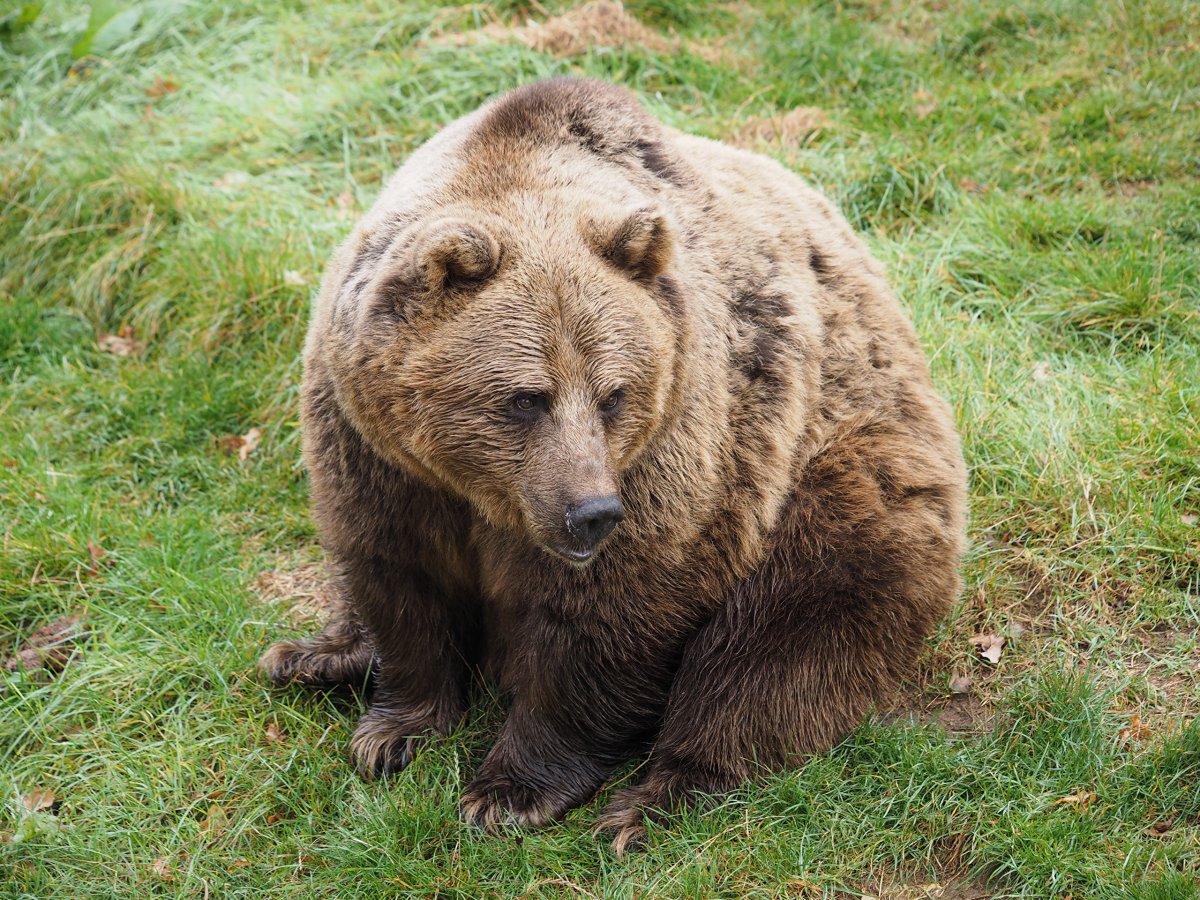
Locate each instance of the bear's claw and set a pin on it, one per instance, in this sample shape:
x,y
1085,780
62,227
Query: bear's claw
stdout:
x,y
383,745
624,820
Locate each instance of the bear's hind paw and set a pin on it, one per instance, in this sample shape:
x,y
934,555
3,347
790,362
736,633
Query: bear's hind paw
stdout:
x,y
318,663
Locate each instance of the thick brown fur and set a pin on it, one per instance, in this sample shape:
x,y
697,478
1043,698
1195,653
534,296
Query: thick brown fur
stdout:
x,y
694,330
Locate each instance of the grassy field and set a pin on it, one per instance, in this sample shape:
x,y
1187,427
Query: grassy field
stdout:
x,y
167,200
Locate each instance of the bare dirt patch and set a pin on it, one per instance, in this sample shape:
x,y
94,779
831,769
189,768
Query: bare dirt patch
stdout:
x,y
886,888
964,714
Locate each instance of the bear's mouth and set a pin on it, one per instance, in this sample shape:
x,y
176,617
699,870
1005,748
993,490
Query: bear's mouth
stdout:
x,y
573,554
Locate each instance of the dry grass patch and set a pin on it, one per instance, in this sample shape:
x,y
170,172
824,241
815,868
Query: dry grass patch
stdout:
x,y
780,131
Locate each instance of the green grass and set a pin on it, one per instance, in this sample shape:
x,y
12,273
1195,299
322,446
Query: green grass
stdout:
x,y
1041,222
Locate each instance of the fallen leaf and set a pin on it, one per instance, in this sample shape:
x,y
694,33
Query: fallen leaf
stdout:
x,y
38,800
1041,372
1160,828
988,646
162,868
241,444
123,343
232,181
1189,518
273,818
1014,630
274,735
293,278
215,822
1080,801
960,684
345,205
161,87
925,103
239,863
96,554
1135,732
37,825
249,442
50,647
972,186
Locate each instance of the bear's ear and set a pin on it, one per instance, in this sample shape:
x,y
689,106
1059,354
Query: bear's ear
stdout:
x,y
640,244
454,253
421,267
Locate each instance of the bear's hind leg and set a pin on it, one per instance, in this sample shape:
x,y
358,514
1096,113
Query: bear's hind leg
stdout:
x,y
858,576
339,654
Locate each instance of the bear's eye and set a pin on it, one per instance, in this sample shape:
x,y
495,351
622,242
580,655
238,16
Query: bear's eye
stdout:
x,y
612,402
528,403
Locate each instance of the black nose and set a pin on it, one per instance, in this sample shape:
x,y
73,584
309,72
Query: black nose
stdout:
x,y
590,521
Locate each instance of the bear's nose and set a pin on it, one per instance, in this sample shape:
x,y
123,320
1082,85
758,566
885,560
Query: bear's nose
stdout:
x,y
592,519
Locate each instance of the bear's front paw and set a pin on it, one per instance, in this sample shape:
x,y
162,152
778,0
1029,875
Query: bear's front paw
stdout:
x,y
384,741
497,802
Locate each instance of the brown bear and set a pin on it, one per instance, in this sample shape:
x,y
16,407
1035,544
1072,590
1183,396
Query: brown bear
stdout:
x,y
629,422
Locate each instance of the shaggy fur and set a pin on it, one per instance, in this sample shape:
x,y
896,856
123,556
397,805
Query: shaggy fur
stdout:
x,y
559,299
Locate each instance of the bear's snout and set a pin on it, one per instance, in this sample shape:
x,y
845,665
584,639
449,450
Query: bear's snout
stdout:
x,y
590,521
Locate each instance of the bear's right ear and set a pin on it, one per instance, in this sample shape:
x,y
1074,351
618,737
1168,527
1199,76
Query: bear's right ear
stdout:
x,y
449,254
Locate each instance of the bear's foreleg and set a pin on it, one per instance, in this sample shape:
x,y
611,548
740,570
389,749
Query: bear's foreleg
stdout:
x,y
583,705
422,678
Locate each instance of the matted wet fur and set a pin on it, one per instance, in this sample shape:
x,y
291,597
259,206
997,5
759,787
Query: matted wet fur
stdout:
x,y
558,306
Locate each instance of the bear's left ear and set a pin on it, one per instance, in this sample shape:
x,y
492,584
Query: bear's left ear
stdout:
x,y
640,244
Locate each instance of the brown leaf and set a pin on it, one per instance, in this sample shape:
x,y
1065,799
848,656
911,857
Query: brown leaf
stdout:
x,y
988,646
232,181
345,205
1135,732
1080,801
960,683
274,735
241,444
1160,828
38,800
96,554
123,343
49,647
161,87
925,103
249,442
1014,630
162,868
970,185
1189,518
215,822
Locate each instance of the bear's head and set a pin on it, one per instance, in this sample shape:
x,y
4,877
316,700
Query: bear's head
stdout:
x,y
521,357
